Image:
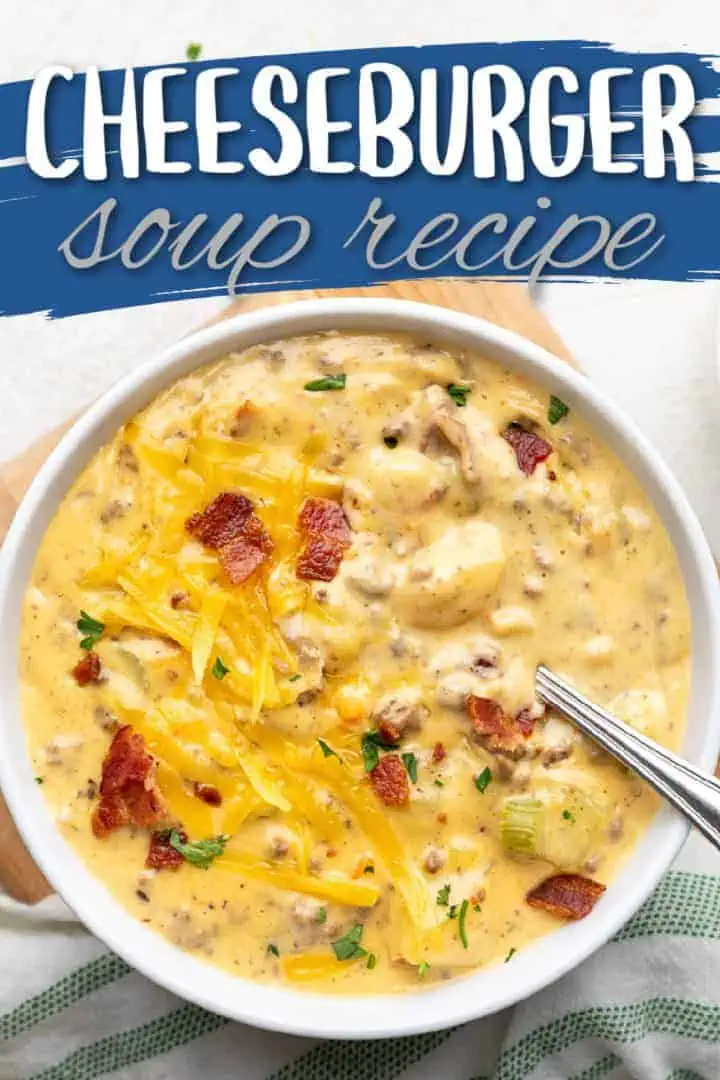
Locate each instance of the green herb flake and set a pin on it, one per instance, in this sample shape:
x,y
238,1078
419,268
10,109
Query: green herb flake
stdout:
x,y
93,630
39,779
452,911
509,955
327,751
295,677
459,393
219,669
443,896
483,779
321,916
200,853
391,441
410,763
369,869
372,743
422,969
348,947
193,50
272,950
439,783
328,382
371,961
462,929
568,816
477,907
557,409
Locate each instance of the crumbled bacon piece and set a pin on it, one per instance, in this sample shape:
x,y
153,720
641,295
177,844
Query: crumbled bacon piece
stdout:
x,y
389,734
498,730
208,793
529,448
243,555
128,791
328,538
222,520
161,854
439,753
87,670
320,561
230,526
569,896
525,722
390,781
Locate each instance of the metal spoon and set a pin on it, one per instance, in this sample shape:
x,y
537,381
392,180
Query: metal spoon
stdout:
x,y
692,792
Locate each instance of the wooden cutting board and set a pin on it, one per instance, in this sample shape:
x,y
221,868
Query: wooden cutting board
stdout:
x,y
504,304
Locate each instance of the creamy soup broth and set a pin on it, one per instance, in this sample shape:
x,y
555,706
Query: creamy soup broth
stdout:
x,y
341,755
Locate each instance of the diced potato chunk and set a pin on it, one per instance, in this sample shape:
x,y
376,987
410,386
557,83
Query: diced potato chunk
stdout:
x,y
512,620
448,581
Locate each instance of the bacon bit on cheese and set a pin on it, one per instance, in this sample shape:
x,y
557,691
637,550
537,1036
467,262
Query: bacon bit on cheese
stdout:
x,y
439,753
208,793
529,448
499,731
525,722
128,791
328,537
230,526
569,896
222,520
161,854
88,670
390,781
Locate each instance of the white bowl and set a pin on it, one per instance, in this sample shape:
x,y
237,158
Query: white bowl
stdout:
x,y
300,1012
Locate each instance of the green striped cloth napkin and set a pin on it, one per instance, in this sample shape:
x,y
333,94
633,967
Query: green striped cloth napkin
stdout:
x,y
647,1006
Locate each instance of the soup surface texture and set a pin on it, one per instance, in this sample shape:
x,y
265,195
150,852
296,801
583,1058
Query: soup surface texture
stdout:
x,y
278,656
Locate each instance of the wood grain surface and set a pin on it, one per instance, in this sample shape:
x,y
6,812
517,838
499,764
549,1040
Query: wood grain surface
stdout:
x,y
507,305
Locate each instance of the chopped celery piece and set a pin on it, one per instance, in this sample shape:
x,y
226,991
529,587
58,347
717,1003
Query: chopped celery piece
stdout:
x,y
559,823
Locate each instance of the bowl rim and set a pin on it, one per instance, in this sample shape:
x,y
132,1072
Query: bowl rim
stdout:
x,y
305,1012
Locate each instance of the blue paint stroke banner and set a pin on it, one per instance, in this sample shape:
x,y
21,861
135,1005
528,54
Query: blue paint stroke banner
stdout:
x,y
37,215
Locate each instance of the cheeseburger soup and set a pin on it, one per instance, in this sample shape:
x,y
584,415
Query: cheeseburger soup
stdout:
x,y
278,657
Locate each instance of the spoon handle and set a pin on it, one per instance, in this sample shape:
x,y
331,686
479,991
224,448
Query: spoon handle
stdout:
x,y
693,793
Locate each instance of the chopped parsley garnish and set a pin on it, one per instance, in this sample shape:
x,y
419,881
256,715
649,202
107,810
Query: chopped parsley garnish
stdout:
x,y
477,907
193,50
39,779
462,930
273,950
483,779
443,896
423,968
295,677
438,783
93,630
568,816
557,409
391,441
369,869
372,742
348,947
328,382
321,916
452,911
510,955
199,852
410,763
219,669
371,961
458,393
327,751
